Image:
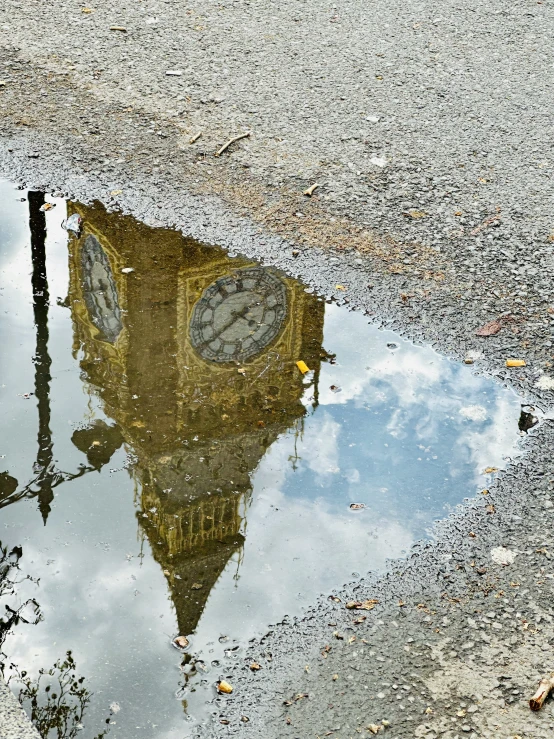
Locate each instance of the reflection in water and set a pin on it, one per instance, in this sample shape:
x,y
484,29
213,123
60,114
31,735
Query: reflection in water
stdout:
x,y
57,700
199,484
43,465
200,377
15,611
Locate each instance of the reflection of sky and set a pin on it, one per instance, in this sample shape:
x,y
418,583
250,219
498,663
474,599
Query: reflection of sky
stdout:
x,y
408,435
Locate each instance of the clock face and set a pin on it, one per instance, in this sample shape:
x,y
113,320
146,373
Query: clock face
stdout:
x,y
99,290
238,315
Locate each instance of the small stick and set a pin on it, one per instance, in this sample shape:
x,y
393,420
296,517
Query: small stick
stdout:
x,y
118,28
232,141
195,137
545,686
310,191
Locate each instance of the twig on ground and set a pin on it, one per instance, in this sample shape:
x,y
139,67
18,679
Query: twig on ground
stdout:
x,y
310,191
231,141
195,137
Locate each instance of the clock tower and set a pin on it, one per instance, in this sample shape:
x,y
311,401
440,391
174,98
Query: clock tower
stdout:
x,y
194,357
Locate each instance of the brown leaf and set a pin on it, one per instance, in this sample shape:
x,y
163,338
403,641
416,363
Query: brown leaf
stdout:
x,y
489,329
366,605
180,642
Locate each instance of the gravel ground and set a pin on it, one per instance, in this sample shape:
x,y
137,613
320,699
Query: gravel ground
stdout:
x,y
428,132
14,724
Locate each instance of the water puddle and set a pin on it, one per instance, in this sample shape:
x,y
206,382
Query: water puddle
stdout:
x,y
167,469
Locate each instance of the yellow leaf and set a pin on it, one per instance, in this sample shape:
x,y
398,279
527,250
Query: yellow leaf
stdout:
x,y
340,287
490,470
224,687
302,366
515,363
116,192
87,10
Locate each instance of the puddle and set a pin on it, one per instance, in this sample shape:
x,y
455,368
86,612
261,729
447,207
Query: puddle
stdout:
x,y
168,470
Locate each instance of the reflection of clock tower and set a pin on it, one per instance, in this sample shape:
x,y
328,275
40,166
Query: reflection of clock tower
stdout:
x,y
194,356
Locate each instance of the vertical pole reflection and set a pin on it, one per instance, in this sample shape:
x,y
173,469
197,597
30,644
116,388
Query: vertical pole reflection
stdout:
x,y
43,465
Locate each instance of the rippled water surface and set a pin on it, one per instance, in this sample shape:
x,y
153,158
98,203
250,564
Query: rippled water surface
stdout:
x,y
167,469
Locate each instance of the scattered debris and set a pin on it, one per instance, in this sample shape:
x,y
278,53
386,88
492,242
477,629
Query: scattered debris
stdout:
x,y
196,586
490,470
489,329
375,728
310,191
334,388
47,206
379,161
488,221
413,213
546,685
224,687
302,366
118,28
180,642
545,382
231,141
295,698
357,506
516,363
502,556
127,270
195,138
255,667
527,420
174,73
340,287
359,605
73,223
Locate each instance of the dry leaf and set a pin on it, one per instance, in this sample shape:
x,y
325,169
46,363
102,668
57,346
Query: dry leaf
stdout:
x,y
489,329
515,363
180,642
196,586
490,470
255,666
366,605
413,213
359,620
340,287
116,192
374,728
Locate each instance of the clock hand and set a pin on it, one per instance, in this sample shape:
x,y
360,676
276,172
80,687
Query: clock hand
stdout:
x,y
234,316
